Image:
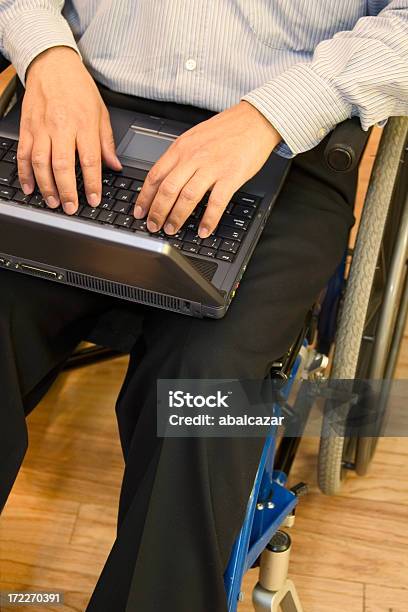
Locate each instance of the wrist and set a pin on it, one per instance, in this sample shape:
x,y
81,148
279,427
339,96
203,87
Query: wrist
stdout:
x,y
52,57
263,122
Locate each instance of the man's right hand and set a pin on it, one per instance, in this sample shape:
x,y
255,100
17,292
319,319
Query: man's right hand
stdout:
x,y
63,112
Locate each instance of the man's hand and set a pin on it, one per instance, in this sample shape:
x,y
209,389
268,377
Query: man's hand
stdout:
x,y
220,155
63,112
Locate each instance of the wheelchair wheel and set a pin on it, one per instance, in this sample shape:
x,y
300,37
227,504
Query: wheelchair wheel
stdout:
x,y
374,310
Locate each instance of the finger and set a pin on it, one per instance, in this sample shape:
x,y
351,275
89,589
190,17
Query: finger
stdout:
x,y
153,180
63,165
41,163
220,196
191,194
108,147
89,152
25,169
167,194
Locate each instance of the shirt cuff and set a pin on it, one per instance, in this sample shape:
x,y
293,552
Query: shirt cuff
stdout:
x,y
302,106
29,33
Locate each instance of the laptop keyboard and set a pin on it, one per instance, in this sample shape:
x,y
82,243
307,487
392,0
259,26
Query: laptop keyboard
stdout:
x,y
119,193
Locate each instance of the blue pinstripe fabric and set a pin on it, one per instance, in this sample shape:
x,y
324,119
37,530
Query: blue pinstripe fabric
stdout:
x,y
305,64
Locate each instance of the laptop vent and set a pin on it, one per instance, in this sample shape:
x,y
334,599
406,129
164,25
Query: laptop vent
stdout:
x,y
204,267
125,292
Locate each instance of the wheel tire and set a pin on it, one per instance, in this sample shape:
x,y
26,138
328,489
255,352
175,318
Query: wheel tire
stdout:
x,y
333,449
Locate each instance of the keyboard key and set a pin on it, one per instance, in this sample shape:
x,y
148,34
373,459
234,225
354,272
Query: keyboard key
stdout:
x,y
197,212
192,237
122,207
124,220
37,200
180,235
20,196
136,186
230,206
207,252
10,156
122,183
108,192
237,222
5,143
7,193
191,248
191,224
230,233
14,146
7,172
106,216
89,213
16,183
245,199
140,225
243,211
125,196
212,242
176,244
108,179
107,204
229,246
229,257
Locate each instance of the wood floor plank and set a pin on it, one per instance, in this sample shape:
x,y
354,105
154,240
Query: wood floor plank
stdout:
x,y
51,520
95,527
52,567
379,598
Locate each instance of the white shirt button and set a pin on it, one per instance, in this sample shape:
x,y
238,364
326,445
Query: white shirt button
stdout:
x,y
321,133
191,64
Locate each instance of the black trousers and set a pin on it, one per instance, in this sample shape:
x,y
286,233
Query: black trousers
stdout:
x,y
183,500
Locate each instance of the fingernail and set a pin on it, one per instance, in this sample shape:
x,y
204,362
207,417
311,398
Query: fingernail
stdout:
x,y
26,187
203,232
94,199
69,208
52,202
169,228
139,214
152,226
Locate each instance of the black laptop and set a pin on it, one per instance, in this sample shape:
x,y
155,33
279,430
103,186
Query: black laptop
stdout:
x,y
107,250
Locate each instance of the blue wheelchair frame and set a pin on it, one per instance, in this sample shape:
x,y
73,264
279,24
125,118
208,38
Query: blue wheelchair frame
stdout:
x,y
270,484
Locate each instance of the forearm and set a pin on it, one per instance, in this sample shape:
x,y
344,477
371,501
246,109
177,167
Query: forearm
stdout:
x,y
363,72
29,27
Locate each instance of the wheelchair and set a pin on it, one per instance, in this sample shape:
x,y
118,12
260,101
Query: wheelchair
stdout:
x,y
353,331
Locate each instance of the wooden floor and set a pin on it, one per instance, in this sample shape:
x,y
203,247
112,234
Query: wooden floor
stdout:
x,y
350,553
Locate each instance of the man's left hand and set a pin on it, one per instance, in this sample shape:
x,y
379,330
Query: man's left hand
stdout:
x,y
218,155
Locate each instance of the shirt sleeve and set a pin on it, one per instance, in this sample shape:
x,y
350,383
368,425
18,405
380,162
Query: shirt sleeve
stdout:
x,y
362,72
28,27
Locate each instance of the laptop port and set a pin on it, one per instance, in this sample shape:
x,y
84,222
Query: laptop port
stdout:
x,y
40,272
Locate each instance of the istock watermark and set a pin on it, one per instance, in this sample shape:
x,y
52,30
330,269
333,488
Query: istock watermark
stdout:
x,y
214,408
250,408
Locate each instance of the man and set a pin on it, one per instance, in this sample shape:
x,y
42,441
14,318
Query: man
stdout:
x,y
282,74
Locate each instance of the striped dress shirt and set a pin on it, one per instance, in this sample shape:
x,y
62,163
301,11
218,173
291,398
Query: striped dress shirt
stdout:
x,y
306,65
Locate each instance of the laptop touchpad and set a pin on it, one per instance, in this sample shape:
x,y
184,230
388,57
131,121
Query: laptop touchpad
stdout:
x,y
146,147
